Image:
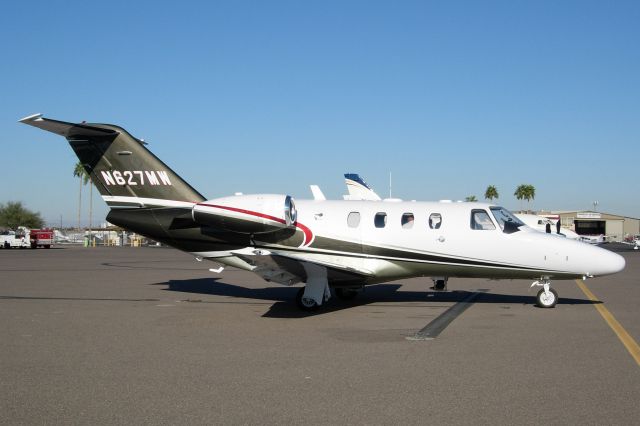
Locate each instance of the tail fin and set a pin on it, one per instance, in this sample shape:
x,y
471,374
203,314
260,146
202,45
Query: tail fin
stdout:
x,y
358,188
125,172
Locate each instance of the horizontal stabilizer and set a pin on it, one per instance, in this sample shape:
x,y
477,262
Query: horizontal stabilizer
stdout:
x,y
65,129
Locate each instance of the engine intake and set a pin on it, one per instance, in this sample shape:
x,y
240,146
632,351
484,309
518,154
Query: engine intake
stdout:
x,y
248,214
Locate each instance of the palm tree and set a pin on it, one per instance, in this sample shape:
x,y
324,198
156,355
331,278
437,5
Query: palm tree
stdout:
x,y
81,174
525,191
471,198
491,193
520,190
530,193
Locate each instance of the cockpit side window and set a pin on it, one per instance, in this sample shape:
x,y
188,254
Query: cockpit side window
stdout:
x,y
435,220
507,221
480,220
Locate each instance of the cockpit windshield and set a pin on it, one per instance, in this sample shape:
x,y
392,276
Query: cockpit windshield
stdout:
x,y
507,221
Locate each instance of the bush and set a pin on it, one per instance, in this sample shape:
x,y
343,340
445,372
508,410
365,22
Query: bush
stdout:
x,y
14,214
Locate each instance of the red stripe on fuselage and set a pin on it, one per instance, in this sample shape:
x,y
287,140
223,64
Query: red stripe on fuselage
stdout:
x,y
308,234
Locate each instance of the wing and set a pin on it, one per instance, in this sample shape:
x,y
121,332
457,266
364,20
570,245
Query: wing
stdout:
x,y
288,269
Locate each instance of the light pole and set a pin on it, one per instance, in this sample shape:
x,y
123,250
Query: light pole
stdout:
x,y
595,206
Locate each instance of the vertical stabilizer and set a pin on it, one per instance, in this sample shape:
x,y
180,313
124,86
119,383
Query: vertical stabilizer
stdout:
x,y
358,188
123,170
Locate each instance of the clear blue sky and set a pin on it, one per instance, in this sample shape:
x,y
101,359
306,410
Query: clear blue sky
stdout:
x,y
450,96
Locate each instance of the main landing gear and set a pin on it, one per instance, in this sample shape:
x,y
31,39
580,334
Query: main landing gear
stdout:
x,y
439,283
546,297
308,304
316,290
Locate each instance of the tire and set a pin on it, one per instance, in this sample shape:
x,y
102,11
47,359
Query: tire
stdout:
x,y
343,293
306,305
439,285
47,246
545,301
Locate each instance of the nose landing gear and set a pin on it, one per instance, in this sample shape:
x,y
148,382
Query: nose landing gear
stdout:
x,y
546,297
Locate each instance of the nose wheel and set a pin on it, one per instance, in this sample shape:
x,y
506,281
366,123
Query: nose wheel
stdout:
x,y
546,297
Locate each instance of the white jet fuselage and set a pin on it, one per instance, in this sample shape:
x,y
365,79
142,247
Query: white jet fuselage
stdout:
x,y
344,234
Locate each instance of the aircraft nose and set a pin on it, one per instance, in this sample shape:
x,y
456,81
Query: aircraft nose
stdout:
x,y
608,263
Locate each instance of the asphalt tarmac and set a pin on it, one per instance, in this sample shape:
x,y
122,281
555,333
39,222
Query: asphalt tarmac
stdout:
x,y
150,336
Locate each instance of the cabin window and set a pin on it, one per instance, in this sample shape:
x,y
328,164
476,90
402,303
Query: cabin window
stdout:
x,y
380,220
353,220
480,220
435,220
407,220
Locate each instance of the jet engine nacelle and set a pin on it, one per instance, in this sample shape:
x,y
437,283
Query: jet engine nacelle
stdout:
x,y
248,214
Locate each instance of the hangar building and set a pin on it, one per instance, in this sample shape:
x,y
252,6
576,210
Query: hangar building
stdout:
x,y
586,222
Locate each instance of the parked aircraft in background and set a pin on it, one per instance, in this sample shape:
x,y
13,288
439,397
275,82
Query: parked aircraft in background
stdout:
x,y
634,241
593,239
544,224
358,189
325,244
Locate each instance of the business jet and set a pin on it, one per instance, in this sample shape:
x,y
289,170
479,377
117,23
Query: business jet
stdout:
x,y
324,244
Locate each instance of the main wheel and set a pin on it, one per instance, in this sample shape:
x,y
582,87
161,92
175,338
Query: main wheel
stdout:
x,y
547,300
305,303
439,285
345,293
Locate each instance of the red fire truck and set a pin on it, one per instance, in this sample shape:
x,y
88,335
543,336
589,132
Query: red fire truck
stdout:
x,y
41,238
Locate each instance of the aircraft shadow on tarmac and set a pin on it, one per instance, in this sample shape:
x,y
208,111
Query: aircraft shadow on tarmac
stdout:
x,y
284,305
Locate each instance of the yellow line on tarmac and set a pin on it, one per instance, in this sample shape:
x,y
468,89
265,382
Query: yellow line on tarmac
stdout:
x,y
622,334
